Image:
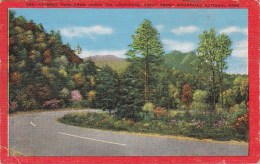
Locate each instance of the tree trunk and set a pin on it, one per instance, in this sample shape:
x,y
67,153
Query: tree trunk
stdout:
x,y
221,91
146,90
214,90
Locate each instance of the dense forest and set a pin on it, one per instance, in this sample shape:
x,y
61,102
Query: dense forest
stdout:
x,y
45,73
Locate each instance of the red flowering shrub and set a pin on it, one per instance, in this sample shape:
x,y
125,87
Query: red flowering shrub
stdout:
x,y
241,124
160,112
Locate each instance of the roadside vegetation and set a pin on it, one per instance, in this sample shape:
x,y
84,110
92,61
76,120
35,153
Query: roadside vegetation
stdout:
x,y
161,121
187,94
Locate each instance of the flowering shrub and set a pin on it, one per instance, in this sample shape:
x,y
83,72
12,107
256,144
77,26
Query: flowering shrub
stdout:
x,y
173,122
29,104
148,107
160,112
91,81
75,96
91,95
51,104
219,123
241,123
13,105
64,93
63,73
198,124
79,79
130,122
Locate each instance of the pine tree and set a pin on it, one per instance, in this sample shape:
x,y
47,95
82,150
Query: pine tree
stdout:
x,y
107,89
146,51
131,99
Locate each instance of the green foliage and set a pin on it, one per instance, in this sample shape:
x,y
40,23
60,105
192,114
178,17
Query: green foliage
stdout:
x,y
146,51
197,127
61,61
131,100
148,107
184,62
212,51
64,93
200,101
107,89
230,97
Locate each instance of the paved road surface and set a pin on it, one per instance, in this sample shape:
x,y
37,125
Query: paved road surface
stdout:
x,y
39,134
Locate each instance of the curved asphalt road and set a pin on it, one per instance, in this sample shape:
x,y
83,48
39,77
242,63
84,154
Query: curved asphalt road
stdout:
x,y
39,134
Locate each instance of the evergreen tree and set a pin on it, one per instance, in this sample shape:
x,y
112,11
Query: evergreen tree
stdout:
x,y
146,51
107,89
131,100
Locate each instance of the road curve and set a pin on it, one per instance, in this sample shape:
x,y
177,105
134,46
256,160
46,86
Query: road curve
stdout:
x,y
40,134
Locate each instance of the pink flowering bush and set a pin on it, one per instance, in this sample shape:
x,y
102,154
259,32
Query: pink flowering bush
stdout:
x,y
51,104
198,124
219,123
75,96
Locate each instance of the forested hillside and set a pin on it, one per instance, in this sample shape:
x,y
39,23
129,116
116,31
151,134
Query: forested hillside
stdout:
x,y
43,71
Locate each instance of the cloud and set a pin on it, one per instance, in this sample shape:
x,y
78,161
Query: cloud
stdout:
x,y
171,45
118,53
185,30
237,65
81,31
159,27
241,49
234,29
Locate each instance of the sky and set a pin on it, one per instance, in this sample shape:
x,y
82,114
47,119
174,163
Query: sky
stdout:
x,y
109,31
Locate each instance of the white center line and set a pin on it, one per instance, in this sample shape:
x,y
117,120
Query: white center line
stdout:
x,y
32,123
92,139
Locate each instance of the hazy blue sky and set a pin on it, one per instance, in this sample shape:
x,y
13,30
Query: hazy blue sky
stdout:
x,y
108,31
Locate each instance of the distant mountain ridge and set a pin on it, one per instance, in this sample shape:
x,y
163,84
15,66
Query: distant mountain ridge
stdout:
x,y
116,63
175,60
183,62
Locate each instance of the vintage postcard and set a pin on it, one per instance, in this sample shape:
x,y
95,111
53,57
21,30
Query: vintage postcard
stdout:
x,y
129,81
